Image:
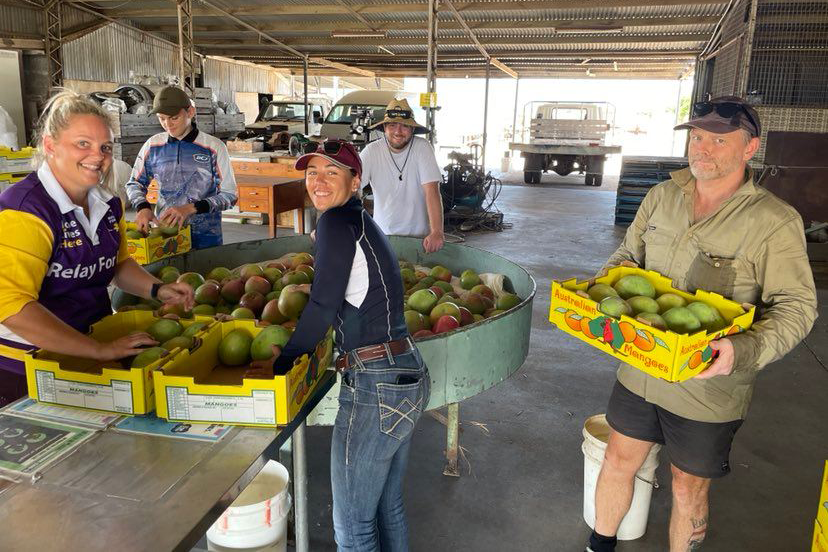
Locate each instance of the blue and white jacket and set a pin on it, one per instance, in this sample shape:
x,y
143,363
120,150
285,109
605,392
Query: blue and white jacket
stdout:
x,y
195,169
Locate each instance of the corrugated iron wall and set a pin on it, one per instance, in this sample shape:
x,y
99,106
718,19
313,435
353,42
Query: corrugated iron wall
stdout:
x,y
226,78
110,53
21,22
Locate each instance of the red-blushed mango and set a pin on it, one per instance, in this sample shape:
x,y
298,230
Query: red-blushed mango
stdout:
x,y
445,324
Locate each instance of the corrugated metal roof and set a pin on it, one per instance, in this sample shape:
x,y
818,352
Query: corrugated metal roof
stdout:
x,y
511,33
19,21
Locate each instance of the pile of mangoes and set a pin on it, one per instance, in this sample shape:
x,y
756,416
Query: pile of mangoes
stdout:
x,y
635,296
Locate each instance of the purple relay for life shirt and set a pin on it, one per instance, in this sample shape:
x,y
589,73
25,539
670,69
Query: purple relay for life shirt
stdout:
x,y
75,285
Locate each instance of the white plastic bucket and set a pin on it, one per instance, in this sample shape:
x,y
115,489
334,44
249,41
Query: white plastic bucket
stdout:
x,y
596,434
257,519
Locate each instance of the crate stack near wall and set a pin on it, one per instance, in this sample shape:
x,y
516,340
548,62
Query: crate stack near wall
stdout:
x,y
638,175
131,130
14,165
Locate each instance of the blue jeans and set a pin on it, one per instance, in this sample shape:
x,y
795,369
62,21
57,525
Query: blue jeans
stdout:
x,y
379,405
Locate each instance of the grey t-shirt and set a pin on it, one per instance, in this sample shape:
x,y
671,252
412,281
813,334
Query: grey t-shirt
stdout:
x,y
400,205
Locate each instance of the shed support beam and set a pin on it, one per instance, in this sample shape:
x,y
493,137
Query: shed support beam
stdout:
x,y
485,117
342,67
431,78
53,41
186,59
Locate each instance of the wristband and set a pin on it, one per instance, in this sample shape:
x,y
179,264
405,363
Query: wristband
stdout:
x,y
154,291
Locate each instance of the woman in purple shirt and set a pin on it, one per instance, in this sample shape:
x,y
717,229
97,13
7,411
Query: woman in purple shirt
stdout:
x,y
62,244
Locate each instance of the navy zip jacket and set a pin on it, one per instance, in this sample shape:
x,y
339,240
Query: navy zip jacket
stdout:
x,y
356,286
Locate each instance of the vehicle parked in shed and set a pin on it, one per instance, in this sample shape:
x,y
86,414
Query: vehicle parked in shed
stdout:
x,y
280,119
565,137
344,117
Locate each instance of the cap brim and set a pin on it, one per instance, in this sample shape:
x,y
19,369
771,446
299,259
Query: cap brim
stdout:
x,y
716,127
168,111
418,129
302,162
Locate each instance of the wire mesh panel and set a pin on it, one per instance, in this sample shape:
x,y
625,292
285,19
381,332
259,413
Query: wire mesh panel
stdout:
x,y
790,54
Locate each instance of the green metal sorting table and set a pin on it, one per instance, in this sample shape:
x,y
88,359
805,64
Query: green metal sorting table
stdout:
x,y
462,363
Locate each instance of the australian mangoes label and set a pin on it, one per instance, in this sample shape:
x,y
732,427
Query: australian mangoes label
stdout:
x,y
258,408
113,397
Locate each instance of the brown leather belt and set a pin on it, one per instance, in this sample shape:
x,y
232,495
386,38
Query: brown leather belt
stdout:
x,y
374,352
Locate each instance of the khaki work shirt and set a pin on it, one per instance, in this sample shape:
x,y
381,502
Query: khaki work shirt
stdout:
x,y
752,250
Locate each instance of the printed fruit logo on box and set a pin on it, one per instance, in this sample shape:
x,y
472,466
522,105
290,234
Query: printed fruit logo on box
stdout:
x,y
315,368
638,317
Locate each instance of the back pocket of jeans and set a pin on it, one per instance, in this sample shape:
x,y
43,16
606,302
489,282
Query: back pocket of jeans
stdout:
x,y
400,407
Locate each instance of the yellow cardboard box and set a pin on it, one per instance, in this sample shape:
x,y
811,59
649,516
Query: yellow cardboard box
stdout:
x,y
191,389
149,250
19,161
822,512
86,383
662,354
820,542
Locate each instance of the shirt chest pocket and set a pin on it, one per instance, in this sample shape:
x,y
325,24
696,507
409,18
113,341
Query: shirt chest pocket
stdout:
x,y
657,246
713,269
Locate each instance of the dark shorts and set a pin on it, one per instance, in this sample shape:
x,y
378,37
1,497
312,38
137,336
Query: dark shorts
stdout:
x,y
698,448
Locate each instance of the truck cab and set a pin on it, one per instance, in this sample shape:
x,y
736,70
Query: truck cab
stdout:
x,y
279,119
564,137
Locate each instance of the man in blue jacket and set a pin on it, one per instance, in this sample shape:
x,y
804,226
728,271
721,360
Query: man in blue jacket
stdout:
x,y
192,169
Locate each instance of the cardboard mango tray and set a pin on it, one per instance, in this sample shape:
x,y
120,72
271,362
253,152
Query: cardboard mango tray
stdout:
x,y
151,249
662,354
109,386
195,387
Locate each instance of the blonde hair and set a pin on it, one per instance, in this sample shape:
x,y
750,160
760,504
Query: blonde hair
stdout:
x,y
59,109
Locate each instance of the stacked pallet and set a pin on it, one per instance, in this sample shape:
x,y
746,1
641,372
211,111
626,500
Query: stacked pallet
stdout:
x,y
638,175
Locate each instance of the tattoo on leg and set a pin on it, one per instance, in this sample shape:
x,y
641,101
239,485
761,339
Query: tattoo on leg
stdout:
x,y
699,531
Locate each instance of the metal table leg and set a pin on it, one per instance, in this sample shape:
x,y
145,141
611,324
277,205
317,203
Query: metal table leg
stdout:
x,y
452,440
300,489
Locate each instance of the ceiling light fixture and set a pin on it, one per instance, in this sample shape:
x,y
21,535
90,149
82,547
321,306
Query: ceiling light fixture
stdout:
x,y
358,34
589,30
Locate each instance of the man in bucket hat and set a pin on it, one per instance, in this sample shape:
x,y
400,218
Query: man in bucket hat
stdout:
x,y
709,227
405,178
192,168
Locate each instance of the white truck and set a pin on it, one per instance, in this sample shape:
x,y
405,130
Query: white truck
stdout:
x,y
565,137
284,117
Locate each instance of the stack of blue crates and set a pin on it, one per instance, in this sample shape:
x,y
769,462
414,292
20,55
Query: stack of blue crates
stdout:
x,y
638,175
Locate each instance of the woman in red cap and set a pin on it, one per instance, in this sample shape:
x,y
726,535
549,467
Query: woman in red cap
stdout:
x,y
357,289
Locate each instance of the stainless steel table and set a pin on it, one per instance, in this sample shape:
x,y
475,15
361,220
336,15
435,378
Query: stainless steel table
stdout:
x,y
131,492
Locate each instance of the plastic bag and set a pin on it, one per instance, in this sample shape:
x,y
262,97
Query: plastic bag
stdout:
x,y
8,130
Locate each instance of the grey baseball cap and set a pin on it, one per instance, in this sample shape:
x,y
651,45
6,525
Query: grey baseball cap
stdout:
x,y
723,115
170,100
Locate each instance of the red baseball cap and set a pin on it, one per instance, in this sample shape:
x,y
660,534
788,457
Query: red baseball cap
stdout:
x,y
339,152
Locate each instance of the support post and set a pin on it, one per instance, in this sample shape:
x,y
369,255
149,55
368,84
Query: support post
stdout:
x,y
485,115
452,440
431,81
54,40
514,113
305,86
186,66
300,489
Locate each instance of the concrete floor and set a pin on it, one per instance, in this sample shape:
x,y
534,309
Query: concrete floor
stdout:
x,y
521,486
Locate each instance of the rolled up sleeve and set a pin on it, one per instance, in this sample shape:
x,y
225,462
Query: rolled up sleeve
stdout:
x,y
788,306
26,244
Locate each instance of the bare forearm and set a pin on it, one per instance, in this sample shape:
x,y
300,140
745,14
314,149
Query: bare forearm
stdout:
x,y
133,279
37,325
434,206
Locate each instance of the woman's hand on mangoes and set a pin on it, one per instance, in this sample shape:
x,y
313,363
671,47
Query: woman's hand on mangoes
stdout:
x,y
177,293
128,345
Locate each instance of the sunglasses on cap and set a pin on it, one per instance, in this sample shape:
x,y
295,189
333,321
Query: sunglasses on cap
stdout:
x,y
398,113
328,147
728,110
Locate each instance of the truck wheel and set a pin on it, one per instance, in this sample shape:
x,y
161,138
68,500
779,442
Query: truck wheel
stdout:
x,y
531,177
588,179
597,179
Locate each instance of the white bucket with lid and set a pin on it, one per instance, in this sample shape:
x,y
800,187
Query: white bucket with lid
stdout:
x,y
596,435
257,519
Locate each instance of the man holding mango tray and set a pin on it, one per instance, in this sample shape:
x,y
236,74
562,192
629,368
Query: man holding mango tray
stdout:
x,y
710,227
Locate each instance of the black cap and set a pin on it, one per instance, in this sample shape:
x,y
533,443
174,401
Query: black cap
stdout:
x,y
170,100
723,115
